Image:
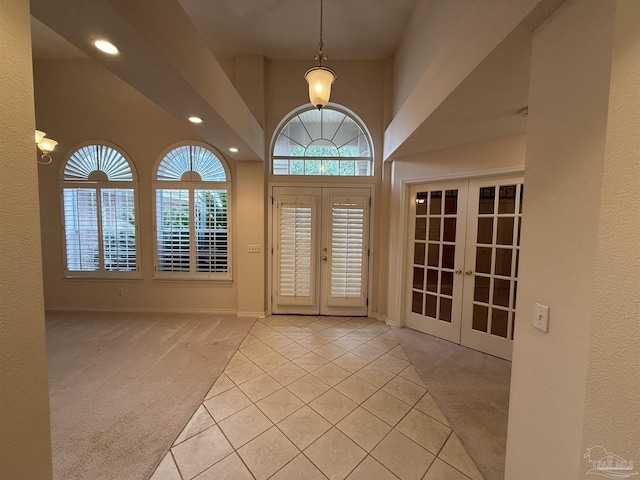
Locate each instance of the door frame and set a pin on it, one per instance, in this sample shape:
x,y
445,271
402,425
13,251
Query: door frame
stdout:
x,y
315,184
396,310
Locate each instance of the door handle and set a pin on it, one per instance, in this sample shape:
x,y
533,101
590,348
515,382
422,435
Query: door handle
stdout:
x,y
468,273
458,271
324,258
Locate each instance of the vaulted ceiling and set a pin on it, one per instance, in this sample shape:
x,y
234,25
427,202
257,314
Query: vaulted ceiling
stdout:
x,y
483,99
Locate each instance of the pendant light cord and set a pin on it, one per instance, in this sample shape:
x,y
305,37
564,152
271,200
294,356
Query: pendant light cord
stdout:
x,y
321,55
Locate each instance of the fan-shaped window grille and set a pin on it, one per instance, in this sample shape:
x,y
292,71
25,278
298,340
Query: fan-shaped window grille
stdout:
x,y
322,142
99,212
192,211
103,158
188,159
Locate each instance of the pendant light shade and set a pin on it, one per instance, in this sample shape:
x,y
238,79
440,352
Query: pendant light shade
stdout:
x,y
320,80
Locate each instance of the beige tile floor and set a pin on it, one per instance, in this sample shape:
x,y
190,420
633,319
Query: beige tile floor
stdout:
x,y
308,398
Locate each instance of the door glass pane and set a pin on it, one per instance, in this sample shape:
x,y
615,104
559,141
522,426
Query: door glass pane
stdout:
x,y
421,229
487,200
501,290
416,303
421,203
499,322
481,290
418,278
445,309
430,310
503,262
507,200
449,230
480,318
446,283
436,203
448,256
519,230
521,197
485,230
515,294
483,260
418,253
504,235
432,280
434,255
451,202
434,229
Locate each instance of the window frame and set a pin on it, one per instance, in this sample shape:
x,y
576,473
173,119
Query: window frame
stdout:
x,y
98,185
192,186
303,109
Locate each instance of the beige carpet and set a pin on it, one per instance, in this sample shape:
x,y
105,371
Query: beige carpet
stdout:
x,y
123,384
472,390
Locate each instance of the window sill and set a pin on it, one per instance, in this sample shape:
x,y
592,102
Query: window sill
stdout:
x,y
82,278
220,281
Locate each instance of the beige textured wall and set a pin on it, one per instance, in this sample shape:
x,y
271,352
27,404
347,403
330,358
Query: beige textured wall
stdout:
x,y
612,410
79,101
567,133
25,447
250,230
494,155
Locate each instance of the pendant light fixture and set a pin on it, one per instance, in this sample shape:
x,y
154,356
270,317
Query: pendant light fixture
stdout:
x,y
320,78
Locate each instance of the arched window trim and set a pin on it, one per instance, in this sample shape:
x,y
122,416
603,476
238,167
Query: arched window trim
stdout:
x,y
70,188
332,106
191,184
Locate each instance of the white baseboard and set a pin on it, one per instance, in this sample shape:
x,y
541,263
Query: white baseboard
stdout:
x,y
391,323
251,314
143,310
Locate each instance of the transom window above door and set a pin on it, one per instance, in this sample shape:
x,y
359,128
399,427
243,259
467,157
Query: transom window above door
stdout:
x,y
330,141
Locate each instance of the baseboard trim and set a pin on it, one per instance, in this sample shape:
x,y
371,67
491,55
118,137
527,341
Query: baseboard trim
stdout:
x,y
391,323
251,314
212,311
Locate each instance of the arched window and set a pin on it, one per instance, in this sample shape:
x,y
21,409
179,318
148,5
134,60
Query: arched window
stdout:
x,y
99,209
330,141
192,212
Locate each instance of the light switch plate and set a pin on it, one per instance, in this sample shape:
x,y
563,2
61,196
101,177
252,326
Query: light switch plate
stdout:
x,y
541,317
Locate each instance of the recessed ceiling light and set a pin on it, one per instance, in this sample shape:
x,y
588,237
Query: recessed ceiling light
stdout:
x,y
233,150
106,47
195,119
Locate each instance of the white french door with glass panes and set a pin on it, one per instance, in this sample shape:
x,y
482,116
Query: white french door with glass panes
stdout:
x,y
320,250
462,261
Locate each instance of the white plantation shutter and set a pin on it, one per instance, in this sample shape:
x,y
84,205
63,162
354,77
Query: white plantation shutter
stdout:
x,y
348,250
81,229
118,229
295,248
172,228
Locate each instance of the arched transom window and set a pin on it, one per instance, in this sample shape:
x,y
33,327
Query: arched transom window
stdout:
x,y
192,211
322,142
99,210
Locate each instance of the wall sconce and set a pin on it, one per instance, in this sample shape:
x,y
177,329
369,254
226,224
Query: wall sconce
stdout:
x,y
46,146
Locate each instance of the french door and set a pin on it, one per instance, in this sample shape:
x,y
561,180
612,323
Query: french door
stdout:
x,y
462,261
320,251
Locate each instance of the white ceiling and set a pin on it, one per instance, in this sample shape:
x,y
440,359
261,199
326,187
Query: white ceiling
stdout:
x,y
290,29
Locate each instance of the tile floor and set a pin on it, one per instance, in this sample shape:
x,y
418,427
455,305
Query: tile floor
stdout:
x,y
308,398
